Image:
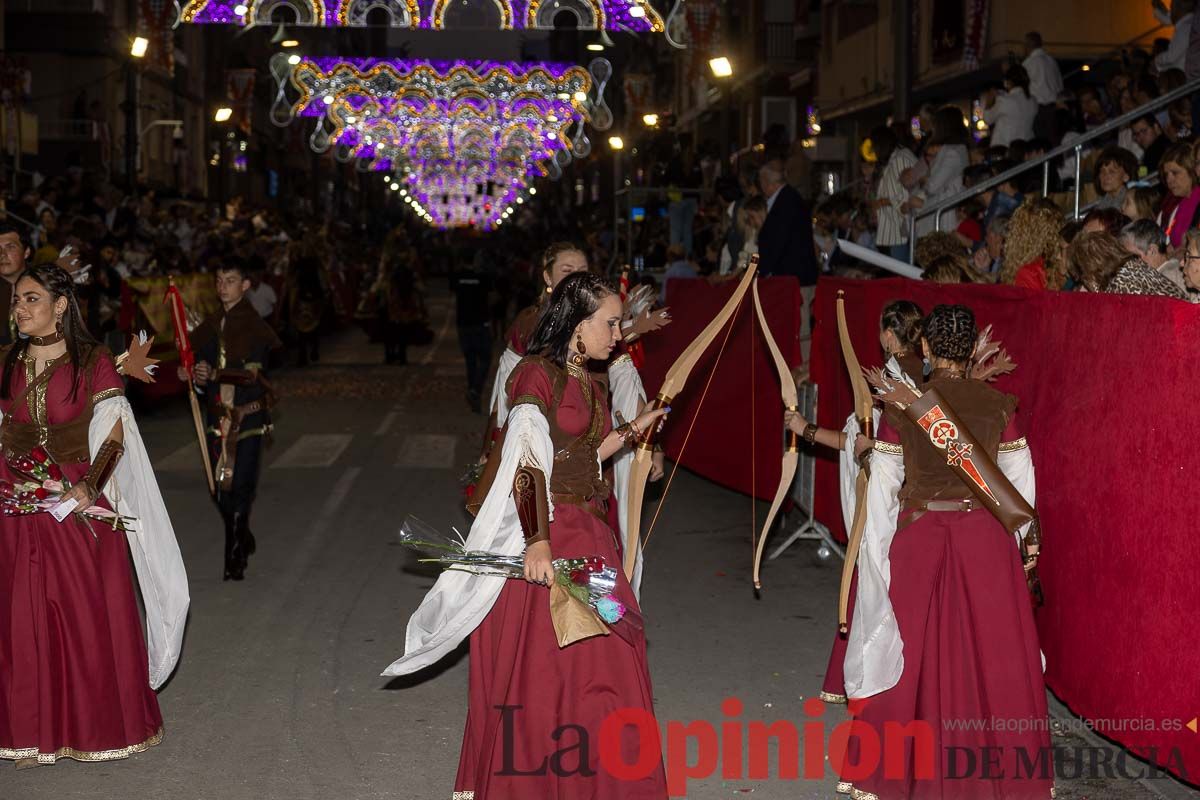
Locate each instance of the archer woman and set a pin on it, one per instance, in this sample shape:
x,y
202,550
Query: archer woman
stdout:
x,y
943,642
900,338
548,498
73,680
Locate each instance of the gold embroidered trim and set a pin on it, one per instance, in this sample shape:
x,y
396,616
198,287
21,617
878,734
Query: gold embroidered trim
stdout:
x,y
830,697
844,787
463,796
1018,444
107,394
529,398
81,755
889,448
622,357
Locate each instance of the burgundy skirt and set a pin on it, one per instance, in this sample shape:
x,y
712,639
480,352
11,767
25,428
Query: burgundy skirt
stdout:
x,y
74,674
972,680
524,689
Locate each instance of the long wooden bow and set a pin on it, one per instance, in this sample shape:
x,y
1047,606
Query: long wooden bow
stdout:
x,y
862,411
672,384
791,450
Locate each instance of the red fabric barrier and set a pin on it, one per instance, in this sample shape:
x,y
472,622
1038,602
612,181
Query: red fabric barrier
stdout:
x,y
1106,383
743,396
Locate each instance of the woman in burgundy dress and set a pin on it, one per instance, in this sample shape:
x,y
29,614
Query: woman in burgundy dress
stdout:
x,y
537,709
73,662
900,338
943,666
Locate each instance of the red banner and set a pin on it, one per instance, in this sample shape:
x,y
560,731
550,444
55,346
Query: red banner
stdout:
x,y
1107,387
736,433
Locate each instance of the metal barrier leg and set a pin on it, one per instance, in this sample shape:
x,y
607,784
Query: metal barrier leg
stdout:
x,y
803,491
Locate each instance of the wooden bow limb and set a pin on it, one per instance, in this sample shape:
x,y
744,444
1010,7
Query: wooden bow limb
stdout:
x,y
791,452
673,383
187,359
862,411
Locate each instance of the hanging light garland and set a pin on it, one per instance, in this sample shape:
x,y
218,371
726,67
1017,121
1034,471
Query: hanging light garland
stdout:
x,y
637,16
464,140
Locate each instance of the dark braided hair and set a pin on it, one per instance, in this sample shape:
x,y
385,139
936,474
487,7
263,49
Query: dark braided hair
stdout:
x,y
951,332
903,318
574,299
80,343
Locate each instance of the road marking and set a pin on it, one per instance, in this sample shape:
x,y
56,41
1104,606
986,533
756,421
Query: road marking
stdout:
x,y
185,459
437,342
338,495
427,451
386,424
314,450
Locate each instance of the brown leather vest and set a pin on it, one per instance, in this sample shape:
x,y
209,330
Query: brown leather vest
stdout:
x,y
983,410
66,441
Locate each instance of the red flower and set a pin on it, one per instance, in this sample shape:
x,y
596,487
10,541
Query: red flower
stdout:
x,y
579,576
469,490
40,493
54,471
39,454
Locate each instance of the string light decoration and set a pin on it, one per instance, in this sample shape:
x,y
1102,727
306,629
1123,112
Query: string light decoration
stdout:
x,y
464,140
637,16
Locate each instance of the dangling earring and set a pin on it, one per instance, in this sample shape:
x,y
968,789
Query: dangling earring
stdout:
x,y
58,326
548,290
580,357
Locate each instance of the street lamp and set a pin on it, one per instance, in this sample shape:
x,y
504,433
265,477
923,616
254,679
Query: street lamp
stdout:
x,y
139,47
651,120
616,143
224,114
720,66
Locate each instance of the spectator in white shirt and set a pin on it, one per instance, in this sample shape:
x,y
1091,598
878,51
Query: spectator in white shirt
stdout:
x,y
1010,113
1180,17
947,155
1045,84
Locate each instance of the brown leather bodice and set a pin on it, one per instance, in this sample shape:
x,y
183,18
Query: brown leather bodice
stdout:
x,y
64,441
576,470
985,411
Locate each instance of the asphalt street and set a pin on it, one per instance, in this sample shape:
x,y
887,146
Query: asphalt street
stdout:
x,y
278,693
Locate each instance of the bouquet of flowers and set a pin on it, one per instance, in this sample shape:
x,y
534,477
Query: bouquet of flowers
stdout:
x,y
43,489
582,602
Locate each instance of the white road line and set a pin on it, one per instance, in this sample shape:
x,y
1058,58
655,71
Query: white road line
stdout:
x,y
437,342
337,495
386,424
427,451
314,450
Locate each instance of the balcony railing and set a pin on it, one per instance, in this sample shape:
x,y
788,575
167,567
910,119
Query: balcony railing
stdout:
x,y
69,130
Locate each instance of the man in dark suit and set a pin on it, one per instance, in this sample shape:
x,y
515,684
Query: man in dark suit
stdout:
x,y
14,250
785,243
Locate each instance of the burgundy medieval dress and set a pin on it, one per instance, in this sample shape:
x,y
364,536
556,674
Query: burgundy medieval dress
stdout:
x,y
524,688
972,676
73,666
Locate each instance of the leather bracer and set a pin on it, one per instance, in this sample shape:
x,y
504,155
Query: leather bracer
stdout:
x,y
533,509
103,466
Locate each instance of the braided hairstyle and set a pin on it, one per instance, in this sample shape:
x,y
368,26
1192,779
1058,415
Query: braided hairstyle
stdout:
x,y
903,318
80,343
575,299
950,332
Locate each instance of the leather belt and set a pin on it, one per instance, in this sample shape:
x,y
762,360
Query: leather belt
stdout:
x,y
947,505
595,505
912,513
